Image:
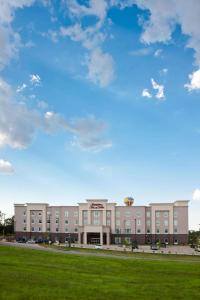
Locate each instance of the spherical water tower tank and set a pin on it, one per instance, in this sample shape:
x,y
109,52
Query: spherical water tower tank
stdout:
x,y
128,201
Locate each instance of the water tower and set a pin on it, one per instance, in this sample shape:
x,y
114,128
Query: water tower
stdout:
x,y
128,201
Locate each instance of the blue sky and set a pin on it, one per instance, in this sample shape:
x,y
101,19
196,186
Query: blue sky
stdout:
x,y
100,99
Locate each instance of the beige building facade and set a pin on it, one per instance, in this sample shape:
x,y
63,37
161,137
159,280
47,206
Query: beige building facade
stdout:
x,y
98,221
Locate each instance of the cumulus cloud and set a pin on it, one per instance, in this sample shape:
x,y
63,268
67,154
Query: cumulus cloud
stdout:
x,y
159,88
20,124
194,81
9,39
100,67
157,52
6,167
35,79
20,88
196,195
146,93
91,38
141,52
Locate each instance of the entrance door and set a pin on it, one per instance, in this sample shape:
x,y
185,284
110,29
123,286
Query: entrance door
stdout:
x,y
95,241
93,238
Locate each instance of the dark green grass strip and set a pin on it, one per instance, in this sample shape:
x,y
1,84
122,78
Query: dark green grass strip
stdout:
x,y
33,274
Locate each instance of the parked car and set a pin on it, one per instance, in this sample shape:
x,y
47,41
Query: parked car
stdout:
x,y
98,246
21,241
30,242
154,247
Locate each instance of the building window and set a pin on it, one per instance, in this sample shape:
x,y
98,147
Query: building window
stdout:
x,y
32,213
175,222
138,230
108,213
166,241
148,230
176,242
127,223
157,230
96,213
138,222
158,223
138,214
24,213
66,222
32,221
66,214
117,230
57,213
39,213
24,228
118,240
127,230
39,228
117,214
127,214
166,214
24,220
76,230
148,222
148,214
166,230
75,214
175,214
76,222
117,222
108,222
32,228
166,223
40,221
96,221
66,229
157,214
57,221
57,229
175,230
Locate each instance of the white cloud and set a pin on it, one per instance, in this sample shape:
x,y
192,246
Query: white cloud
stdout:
x,y
9,40
21,88
6,167
159,88
91,38
196,195
146,93
194,81
19,124
157,52
35,79
100,67
141,52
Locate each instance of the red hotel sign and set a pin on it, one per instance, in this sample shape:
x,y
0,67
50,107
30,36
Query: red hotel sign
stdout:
x,y
96,205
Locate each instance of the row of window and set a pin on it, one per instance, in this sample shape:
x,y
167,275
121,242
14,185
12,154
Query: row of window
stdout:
x,y
148,230
108,213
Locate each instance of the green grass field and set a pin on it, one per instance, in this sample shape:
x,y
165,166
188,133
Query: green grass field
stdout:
x,y
33,274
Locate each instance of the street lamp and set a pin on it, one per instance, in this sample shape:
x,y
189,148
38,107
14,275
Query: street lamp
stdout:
x,y
3,216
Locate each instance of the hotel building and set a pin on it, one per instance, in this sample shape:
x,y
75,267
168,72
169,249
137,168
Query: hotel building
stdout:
x,y
102,222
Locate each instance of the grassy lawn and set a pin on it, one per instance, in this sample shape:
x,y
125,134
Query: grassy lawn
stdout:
x,y
34,274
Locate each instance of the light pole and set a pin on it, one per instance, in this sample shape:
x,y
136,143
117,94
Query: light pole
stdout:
x,y
3,215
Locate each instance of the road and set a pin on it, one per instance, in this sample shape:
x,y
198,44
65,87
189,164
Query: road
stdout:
x,y
103,254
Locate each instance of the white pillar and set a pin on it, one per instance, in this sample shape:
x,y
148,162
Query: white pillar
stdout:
x,y
85,238
108,238
79,237
101,237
